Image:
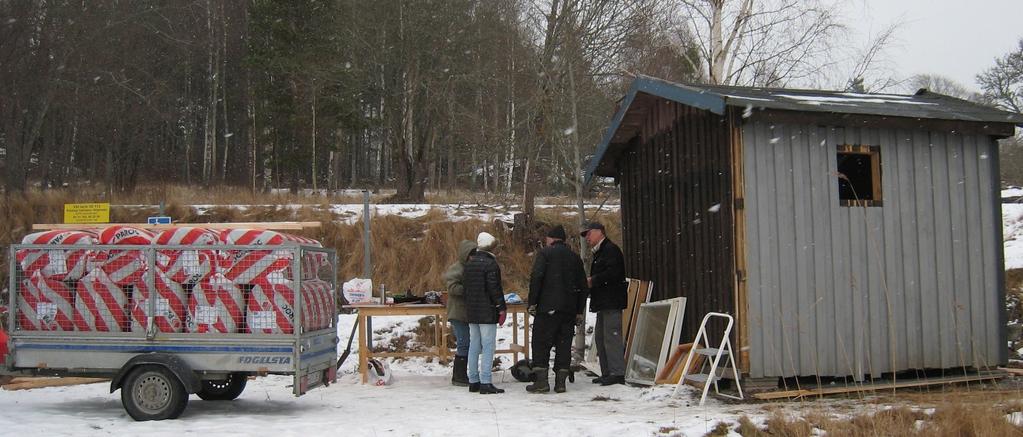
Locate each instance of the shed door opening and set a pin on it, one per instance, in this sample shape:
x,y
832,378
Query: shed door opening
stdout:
x,y
859,179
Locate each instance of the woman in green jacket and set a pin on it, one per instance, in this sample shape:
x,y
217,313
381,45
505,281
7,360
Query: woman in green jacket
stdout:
x,y
456,312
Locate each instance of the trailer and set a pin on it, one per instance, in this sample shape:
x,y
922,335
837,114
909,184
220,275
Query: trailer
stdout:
x,y
166,321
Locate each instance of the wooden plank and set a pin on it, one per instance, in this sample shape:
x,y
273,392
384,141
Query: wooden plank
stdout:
x,y
860,388
30,383
274,226
642,296
772,395
676,372
739,237
629,305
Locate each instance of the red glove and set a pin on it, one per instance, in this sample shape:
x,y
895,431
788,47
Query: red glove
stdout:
x,y
501,316
3,345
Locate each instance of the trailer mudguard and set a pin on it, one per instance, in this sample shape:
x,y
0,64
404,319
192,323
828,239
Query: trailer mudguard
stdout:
x,y
176,365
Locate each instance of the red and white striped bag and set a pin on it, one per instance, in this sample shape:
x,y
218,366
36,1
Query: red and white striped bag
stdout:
x,y
44,304
100,304
169,312
312,262
187,266
215,305
124,267
69,264
251,266
317,304
270,307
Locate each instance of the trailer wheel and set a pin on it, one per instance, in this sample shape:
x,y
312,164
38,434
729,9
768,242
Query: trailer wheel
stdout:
x,y
226,390
151,392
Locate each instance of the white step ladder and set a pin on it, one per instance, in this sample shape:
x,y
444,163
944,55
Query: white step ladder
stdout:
x,y
714,374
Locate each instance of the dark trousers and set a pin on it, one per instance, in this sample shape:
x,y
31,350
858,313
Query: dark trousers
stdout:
x,y
553,330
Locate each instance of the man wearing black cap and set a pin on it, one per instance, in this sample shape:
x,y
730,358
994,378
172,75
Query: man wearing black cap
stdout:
x,y
608,296
557,296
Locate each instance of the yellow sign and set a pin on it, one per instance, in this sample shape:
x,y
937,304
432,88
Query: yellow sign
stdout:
x,y
86,213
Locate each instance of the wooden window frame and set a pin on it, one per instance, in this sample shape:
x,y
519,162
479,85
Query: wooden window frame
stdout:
x,y
874,152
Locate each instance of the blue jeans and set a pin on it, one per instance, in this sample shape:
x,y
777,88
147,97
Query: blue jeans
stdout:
x,y
461,331
482,342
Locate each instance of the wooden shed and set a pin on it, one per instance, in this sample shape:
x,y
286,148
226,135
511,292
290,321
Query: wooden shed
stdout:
x,y
849,234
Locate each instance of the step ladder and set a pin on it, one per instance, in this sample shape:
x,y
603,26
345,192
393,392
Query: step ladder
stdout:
x,y
702,346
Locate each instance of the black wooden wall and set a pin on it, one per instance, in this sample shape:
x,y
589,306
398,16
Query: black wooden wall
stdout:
x,y
677,210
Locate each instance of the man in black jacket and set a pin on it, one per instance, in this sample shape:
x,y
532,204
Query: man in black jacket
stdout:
x,y
608,296
484,310
557,296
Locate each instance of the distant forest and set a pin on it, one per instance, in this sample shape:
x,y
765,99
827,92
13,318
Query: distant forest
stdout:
x,y
507,96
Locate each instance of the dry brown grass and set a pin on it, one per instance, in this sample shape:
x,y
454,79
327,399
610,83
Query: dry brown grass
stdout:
x,y
951,417
408,254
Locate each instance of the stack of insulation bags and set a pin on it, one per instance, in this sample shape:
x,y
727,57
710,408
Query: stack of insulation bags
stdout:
x,y
196,290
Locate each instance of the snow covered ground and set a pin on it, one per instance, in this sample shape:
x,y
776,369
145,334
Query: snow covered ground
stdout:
x,y
1012,234
419,402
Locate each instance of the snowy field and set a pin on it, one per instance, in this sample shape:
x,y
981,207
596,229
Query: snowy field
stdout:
x,y
419,402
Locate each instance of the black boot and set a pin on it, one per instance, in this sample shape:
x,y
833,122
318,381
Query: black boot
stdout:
x,y
559,380
612,380
540,385
458,372
474,387
598,380
487,389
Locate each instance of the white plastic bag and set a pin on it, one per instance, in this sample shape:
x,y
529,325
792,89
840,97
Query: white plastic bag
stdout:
x,y
358,290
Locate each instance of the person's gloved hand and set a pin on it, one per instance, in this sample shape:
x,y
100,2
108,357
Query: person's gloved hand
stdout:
x,y
532,310
501,316
579,318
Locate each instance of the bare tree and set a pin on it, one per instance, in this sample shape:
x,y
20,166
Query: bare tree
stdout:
x,y
759,42
942,85
1003,83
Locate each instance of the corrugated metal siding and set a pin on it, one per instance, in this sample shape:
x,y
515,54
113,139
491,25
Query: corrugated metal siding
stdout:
x,y
673,173
913,284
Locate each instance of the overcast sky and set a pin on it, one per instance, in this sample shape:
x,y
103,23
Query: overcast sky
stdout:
x,y
953,38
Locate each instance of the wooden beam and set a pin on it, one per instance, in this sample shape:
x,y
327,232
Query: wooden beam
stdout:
x,y
859,388
30,383
275,226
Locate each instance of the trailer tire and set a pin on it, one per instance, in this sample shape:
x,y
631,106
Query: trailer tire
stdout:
x,y
152,392
226,390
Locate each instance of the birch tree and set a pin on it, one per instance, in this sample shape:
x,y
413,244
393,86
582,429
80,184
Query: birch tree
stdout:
x,y
759,42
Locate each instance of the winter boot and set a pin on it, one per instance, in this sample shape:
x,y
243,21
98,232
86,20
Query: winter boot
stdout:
x,y
541,385
474,387
458,373
488,389
559,380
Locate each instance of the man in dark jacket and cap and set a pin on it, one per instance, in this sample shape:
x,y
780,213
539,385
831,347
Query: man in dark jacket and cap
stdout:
x,y
608,296
557,296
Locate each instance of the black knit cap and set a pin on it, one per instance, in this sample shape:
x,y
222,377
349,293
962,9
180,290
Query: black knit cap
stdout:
x,y
557,232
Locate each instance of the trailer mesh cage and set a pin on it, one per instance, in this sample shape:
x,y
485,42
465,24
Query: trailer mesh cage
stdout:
x,y
189,289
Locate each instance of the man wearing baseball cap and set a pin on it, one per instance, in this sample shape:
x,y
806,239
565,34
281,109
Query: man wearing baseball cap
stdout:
x,y
557,300
608,296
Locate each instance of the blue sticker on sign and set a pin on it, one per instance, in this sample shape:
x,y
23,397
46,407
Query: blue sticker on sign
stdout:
x,y
160,220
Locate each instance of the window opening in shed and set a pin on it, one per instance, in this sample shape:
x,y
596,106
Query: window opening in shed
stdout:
x,y
859,175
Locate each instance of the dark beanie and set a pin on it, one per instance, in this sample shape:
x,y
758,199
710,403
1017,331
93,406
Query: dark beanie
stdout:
x,y
557,232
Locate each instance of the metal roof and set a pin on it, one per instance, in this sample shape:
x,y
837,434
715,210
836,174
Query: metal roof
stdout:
x,y
716,98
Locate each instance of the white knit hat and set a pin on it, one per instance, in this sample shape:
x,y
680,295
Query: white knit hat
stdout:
x,y
485,241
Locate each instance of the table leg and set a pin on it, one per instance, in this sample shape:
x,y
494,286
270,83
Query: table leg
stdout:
x,y
442,341
525,334
363,349
515,336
